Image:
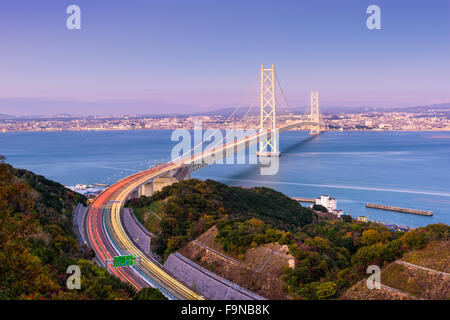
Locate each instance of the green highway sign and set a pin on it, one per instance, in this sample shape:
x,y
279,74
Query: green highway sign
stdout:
x,y
123,261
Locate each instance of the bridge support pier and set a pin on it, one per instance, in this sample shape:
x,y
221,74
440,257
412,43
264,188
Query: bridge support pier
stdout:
x,y
145,190
156,184
269,154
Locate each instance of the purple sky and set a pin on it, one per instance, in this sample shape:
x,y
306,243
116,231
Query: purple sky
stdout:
x,y
187,56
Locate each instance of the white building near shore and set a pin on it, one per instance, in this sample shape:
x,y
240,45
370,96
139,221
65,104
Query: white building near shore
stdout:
x,y
330,204
327,202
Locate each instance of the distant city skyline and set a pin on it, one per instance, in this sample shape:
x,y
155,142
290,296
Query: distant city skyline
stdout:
x,y
169,57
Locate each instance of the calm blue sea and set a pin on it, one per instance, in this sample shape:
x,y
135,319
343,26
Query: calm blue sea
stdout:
x,y
407,169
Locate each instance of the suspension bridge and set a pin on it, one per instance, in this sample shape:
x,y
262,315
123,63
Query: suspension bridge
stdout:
x,y
102,230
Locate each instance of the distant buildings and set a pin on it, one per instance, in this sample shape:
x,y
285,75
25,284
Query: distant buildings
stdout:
x,y
428,119
79,187
89,191
394,227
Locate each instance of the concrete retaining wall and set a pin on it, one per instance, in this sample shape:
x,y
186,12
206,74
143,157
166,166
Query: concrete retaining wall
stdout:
x,y
137,232
209,284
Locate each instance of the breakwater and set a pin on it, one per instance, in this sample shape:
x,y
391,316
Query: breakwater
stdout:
x,y
304,199
399,209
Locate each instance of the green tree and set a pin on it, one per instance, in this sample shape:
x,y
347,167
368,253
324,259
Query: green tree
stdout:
x,y
415,239
149,293
347,218
326,290
319,207
370,237
366,256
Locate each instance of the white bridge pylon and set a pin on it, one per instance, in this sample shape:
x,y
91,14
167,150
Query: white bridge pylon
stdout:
x,y
268,145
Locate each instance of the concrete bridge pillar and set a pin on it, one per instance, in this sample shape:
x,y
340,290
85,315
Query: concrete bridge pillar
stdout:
x,y
147,189
160,183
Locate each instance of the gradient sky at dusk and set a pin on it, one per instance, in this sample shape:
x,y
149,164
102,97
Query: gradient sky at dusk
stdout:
x,y
167,56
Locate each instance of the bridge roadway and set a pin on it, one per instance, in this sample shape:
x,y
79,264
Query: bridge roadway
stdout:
x,y
105,233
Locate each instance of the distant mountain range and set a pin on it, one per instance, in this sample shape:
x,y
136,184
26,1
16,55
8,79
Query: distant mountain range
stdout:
x,y
60,115
6,116
251,111
325,110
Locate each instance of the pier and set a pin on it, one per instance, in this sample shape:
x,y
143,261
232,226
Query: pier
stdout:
x,y
304,199
398,209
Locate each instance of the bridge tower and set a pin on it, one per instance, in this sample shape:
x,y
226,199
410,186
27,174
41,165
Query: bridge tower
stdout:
x,y
315,128
268,146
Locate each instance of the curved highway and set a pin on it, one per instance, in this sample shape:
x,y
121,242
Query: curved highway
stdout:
x,y
108,238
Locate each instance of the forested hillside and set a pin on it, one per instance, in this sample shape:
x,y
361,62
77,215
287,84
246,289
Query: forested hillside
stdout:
x,y
190,207
37,243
